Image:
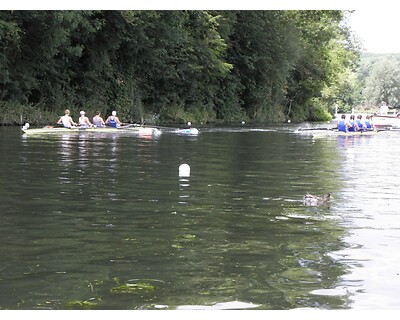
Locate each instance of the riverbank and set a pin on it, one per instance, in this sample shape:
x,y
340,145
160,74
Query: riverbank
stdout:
x,y
18,115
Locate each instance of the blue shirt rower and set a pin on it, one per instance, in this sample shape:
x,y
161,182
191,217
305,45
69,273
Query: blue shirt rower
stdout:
x,y
113,120
353,125
368,123
342,124
360,124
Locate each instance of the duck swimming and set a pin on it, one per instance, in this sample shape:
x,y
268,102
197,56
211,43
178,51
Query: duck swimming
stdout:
x,y
311,200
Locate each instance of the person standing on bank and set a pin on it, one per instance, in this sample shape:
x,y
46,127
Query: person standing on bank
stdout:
x,y
113,120
98,120
66,120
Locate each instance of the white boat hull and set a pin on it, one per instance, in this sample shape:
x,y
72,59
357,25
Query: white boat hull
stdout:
x,y
336,133
143,131
189,132
386,121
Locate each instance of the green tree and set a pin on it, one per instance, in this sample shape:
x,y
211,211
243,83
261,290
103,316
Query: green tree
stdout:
x,y
328,51
42,65
383,84
263,50
176,65
176,58
10,40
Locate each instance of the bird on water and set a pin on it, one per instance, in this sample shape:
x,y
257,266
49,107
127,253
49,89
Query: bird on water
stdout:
x,y
312,200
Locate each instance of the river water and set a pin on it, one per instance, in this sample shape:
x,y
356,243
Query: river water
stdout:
x,y
103,221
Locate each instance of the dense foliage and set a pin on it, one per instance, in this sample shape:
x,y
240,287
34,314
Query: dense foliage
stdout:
x,y
176,66
375,81
379,78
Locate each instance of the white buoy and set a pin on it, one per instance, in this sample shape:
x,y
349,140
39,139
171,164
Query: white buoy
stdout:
x,y
184,170
289,121
189,123
243,122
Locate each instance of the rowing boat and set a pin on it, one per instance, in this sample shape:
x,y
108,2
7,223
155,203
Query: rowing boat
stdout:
x,y
336,133
74,130
326,132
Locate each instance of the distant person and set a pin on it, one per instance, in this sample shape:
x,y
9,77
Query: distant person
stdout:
x,y
384,109
66,120
342,124
353,125
369,125
98,120
84,121
360,124
113,120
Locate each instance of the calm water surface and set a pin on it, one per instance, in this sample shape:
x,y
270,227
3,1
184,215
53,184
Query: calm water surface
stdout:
x,y
105,222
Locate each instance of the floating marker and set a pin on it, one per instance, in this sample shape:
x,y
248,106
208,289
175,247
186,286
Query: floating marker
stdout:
x,y
184,170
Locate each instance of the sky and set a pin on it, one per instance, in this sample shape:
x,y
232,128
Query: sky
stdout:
x,y
376,23
378,29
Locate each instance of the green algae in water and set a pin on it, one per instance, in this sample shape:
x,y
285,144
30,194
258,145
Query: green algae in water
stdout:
x,y
186,237
134,287
182,239
77,304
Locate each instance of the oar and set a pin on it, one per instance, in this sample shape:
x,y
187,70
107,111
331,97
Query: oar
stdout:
x,y
129,125
390,129
318,128
384,129
161,127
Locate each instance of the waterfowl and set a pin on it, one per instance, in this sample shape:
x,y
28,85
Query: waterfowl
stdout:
x,y
311,200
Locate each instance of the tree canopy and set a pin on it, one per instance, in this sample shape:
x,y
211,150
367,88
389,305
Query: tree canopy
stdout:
x,y
174,65
383,82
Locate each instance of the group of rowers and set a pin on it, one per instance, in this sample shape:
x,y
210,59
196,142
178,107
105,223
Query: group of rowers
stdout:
x,y
84,121
354,125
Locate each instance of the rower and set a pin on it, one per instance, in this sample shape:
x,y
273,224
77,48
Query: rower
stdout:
x,y
368,123
342,124
98,120
113,120
84,121
361,126
353,125
66,120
